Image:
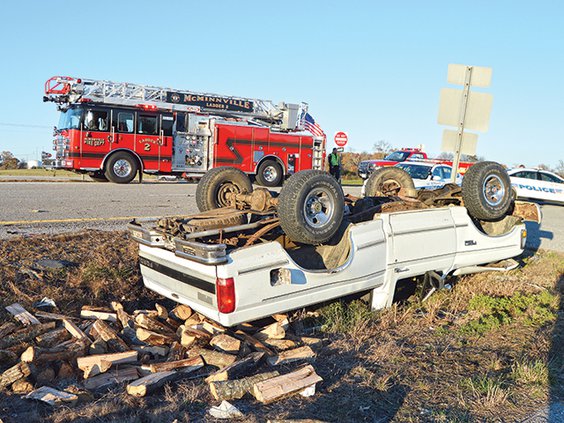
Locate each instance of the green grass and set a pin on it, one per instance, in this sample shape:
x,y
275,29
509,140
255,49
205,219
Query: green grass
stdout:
x,y
352,182
59,173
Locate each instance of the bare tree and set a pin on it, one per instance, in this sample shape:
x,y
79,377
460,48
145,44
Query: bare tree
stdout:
x,y
560,168
542,166
382,146
445,156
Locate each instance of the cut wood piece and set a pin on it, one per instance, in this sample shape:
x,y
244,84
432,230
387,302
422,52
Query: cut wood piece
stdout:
x,y
96,364
125,319
198,333
274,331
99,346
38,355
52,396
162,312
281,344
22,315
312,342
115,343
281,318
153,350
22,387
236,389
214,358
186,339
239,368
194,319
116,305
173,323
75,331
188,365
149,313
52,338
211,328
226,343
7,328
87,313
182,312
65,371
176,352
153,338
146,322
149,383
289,356
17,372
26,334
253,342
53,316
111,378
7,357
283,386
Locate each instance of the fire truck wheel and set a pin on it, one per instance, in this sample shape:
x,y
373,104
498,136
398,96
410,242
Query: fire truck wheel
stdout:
x,y
98,176
311,206
269,174
486,191
388,181
121,168
215,186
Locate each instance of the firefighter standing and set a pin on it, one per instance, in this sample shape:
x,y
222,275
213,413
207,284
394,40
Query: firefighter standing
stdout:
x,y
334,164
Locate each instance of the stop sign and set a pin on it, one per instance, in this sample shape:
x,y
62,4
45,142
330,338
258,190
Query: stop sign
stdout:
x,y
341,139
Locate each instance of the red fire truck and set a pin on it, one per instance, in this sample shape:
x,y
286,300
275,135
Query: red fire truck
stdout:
x,y
114,131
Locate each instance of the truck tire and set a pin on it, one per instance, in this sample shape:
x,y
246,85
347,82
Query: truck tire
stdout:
x,y
121,168
269,174
486,191
310,207
217,183
388,181
98,176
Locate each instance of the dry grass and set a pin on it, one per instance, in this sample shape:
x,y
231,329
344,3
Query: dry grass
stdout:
x,y
414,362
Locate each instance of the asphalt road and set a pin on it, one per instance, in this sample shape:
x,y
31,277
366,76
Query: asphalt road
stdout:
x,y
53,207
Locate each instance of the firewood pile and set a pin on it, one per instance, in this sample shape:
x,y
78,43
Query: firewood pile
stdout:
x,y
60,359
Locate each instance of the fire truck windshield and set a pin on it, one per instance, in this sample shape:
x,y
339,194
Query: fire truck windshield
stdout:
x,y
70,119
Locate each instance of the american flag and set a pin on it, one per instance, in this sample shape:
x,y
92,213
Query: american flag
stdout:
x,y
309,124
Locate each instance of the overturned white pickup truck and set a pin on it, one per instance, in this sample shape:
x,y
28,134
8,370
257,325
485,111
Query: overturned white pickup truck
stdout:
x,y
249,255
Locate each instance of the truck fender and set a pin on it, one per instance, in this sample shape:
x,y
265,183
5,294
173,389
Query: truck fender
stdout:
x,y
271,156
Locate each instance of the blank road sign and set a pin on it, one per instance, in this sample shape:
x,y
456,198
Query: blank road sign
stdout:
x,y
477,111
469,142
481,77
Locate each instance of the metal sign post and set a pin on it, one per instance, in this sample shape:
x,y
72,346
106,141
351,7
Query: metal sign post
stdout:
x,y
463,107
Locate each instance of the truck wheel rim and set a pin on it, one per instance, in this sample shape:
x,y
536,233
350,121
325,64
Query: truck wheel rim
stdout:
x,y
122,168
390,187
270,173
494,190
319,207
224,193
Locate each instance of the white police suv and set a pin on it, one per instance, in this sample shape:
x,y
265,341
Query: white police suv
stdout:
x,y
537,184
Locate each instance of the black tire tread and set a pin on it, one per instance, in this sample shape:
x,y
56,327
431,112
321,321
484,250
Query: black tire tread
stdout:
x,y
380,175
264,182
110,164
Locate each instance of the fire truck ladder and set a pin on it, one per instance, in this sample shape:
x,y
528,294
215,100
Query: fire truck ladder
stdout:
x,y
65,91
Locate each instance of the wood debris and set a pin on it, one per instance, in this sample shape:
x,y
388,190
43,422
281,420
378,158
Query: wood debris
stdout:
x,y
283,386
22,315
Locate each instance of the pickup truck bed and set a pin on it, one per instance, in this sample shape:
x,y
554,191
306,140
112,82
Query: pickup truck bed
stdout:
x,y
233,284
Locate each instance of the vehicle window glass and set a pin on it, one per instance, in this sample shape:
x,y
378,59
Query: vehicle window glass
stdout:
x,y
525,174
548,178
147,125
416,171
397,156
417,156
96,120
125,122
70,119
167,123
180,122
447,172
438,173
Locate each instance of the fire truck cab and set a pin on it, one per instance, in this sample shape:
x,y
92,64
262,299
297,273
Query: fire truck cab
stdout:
x,y
114,131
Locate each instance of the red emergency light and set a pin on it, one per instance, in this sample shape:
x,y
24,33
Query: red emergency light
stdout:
x,y
147,106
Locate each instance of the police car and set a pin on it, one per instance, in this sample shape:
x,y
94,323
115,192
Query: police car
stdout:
x,y
537,184
426,175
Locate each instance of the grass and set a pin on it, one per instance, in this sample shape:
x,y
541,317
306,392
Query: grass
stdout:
x,y
59,173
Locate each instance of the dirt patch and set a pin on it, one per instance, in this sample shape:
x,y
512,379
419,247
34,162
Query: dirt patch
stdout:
x,y
489,349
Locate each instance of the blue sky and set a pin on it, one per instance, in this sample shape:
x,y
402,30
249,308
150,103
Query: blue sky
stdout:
x,y
373,69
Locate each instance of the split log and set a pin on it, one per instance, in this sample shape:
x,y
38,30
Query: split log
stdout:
x,y
38,355
149,313
53,316
162,312
111,378
96,364
188,365
211,328
52,396
153,350
93,314
75,331
153,338
214,358
281,318
281,344
312,342
110,336
238,368
186,340
226,343
53,338
17,372
144,321
182,312
198,333
236,389
116,305
149,383
255,343
65,371
7,357
7,328
99,346
283,386
290,356
22,315
26,334
194,319
176,352
22,387
274,331
174,324
125,319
